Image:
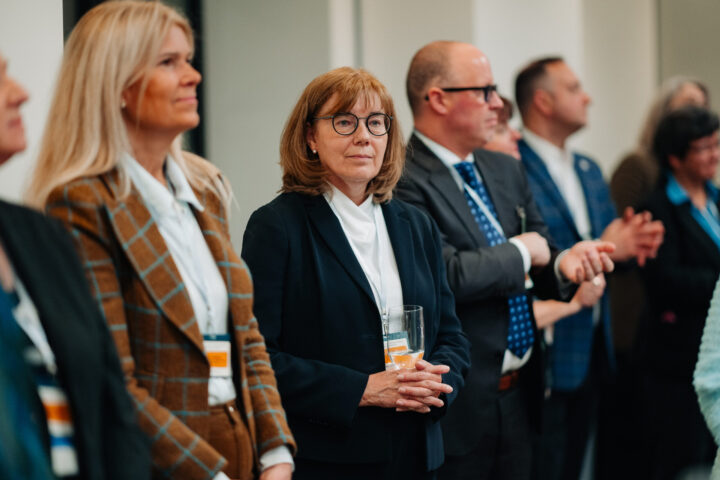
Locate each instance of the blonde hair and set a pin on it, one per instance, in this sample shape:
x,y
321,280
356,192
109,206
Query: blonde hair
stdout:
x,y
661,106
113,46
302,170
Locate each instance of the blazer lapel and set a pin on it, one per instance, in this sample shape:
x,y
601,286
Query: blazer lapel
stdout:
x,y
583,172
701,238
328,227
398,228
536,168
232,269
441,179
498,192
140,239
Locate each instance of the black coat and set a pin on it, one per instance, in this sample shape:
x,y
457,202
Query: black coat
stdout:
x,y
109,443
317,312
679,285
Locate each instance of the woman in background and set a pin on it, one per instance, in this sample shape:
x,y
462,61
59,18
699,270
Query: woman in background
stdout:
x,y
680,282
150,224
329,256
632,182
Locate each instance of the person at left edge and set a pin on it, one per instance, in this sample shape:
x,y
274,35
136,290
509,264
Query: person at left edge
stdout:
x,y
64,410
328,256
150,223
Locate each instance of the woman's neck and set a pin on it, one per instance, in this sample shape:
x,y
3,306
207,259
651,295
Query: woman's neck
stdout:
x,y
150,151
694,188
355,191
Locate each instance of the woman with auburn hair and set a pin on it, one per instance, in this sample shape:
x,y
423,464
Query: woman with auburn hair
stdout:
x,y
330,256
150,224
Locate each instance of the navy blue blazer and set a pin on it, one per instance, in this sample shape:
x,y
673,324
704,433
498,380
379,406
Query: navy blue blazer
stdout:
x,y
323,331
573,337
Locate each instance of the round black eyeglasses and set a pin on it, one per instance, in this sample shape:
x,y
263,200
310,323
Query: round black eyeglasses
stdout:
x,y
378,124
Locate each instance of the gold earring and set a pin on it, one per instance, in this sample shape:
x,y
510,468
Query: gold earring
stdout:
x,y
122,103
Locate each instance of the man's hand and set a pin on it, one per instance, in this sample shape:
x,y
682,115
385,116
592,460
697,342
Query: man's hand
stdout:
x,y
590,292
635,235
281,471
586,260
537,246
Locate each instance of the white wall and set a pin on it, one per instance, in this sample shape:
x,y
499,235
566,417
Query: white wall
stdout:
x,y
31,38
621,62
688,41
261,54
258,58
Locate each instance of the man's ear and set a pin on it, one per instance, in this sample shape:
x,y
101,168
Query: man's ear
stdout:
x,y
437,101
543,101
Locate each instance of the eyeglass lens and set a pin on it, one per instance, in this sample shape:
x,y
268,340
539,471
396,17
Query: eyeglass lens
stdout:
x,y
347,123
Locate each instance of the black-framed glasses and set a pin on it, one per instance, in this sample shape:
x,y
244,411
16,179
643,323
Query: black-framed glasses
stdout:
x,y
346,123
487,90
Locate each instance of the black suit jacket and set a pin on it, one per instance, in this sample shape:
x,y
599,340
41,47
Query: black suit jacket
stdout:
x,y
109,443
323,330
482,278
680,283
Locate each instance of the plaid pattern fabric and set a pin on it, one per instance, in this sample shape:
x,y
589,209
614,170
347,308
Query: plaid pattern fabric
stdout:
x,y
146,305
573,335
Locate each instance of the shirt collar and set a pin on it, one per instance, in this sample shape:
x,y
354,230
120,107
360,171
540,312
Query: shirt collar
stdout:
x,y
156,195
678,195
445,155
546,150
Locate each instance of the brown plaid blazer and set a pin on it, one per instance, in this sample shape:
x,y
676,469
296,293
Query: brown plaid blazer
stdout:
x,y
135,281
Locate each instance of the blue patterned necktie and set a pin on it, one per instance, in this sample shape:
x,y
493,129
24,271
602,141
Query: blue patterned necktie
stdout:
x,y
520,332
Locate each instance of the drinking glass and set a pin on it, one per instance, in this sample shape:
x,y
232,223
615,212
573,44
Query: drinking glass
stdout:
x,y
404,336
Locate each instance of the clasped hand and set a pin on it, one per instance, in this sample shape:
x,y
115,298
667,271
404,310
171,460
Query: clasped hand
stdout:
x,y
406,390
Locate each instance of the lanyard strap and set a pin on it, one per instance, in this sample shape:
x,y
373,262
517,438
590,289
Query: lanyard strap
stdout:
x,y
481,205
376,286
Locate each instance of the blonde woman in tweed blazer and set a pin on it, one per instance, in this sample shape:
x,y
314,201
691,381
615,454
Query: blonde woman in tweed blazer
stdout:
x,y
110,156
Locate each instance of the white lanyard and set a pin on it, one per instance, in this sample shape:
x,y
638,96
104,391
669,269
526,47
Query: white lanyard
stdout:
x,y
481,205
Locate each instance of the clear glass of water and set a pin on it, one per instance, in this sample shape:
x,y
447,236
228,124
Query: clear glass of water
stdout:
x,y
405,337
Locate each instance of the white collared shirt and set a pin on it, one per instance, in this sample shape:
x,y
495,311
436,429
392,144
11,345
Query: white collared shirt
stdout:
x,y
510,360
561,165
200,274
187,246
371,245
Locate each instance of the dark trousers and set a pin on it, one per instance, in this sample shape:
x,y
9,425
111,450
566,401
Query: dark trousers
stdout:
x,y
504,452
674,434
567,421
407,452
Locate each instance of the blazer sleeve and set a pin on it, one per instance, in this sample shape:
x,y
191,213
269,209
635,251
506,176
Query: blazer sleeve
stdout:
x,y
452,347
668,274
176,449
319,391
126,450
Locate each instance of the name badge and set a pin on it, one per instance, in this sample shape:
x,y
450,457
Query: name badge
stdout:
x,y
397,342
217,351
